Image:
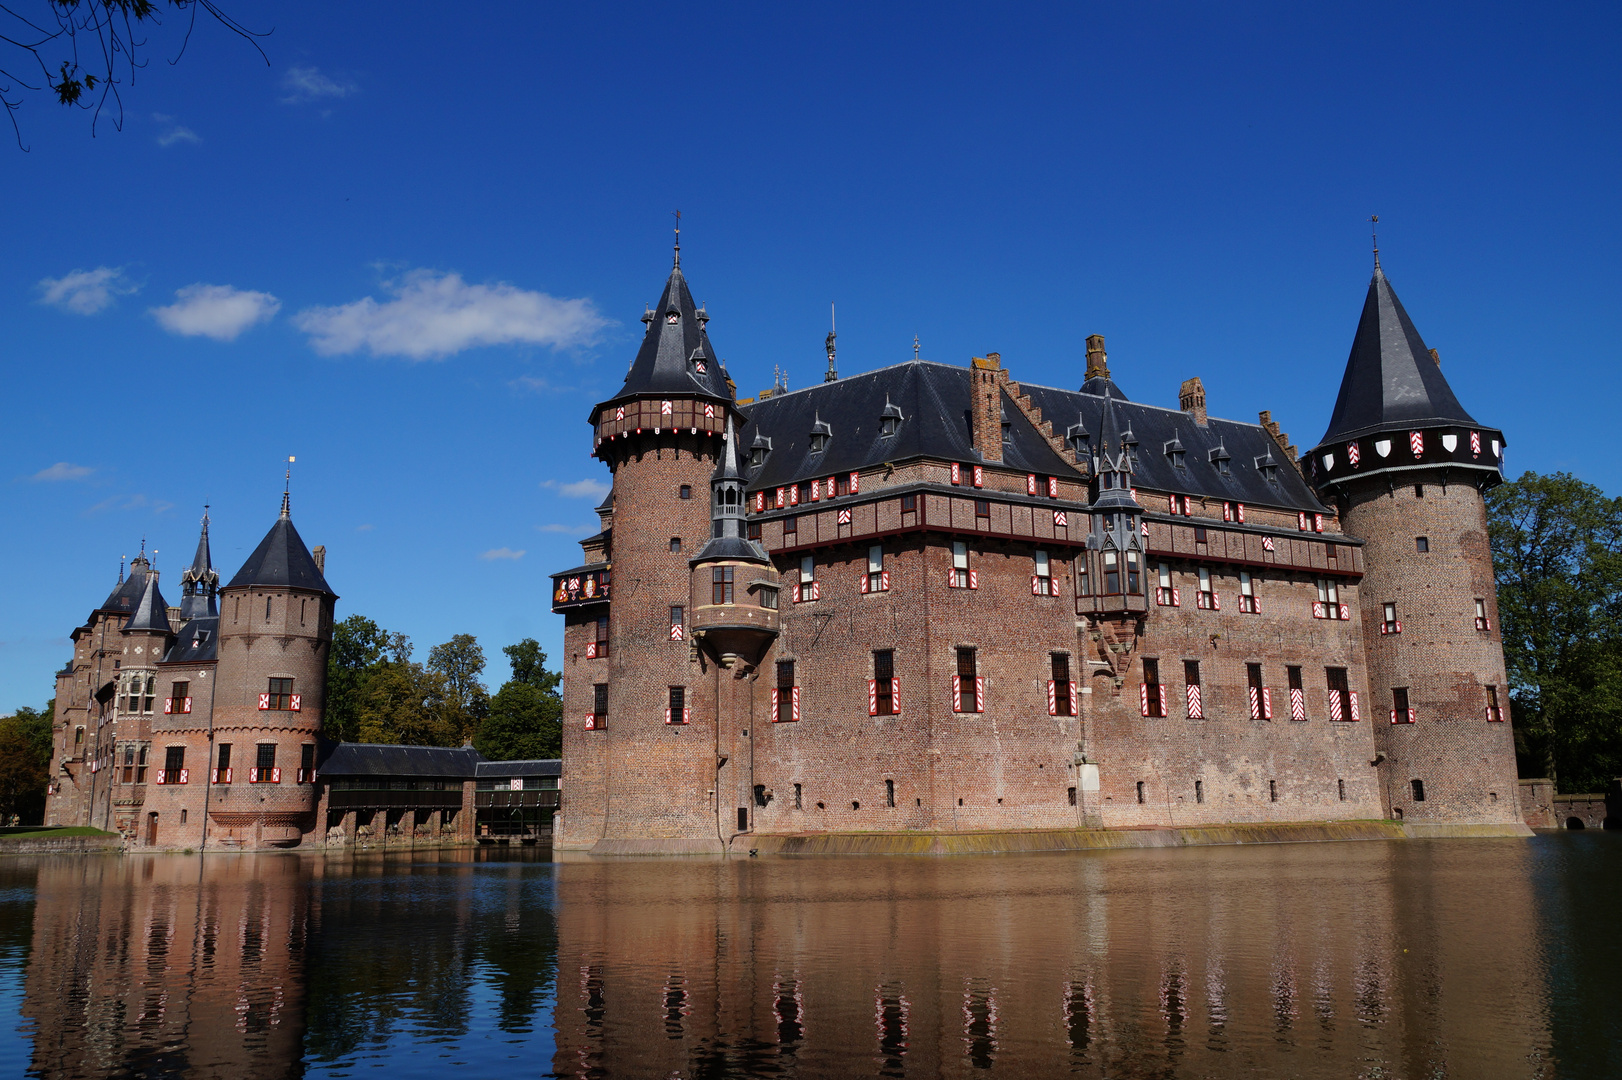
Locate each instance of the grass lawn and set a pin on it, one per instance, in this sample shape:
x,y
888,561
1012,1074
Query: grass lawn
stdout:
x,y
52,833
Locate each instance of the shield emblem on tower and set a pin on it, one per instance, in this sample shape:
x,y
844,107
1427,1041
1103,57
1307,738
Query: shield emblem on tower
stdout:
x,y
1329,462
1382,447
1450,442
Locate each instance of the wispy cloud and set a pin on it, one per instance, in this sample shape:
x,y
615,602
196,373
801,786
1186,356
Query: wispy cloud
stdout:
x,y
174,132
567,530
85,292
217,311
306,84
130,502
365,528
579,489
502,553
433,316
63,470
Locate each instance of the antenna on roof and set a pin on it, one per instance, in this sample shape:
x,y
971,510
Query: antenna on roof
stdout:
x,y
1374,221
678,238
287,489
832,333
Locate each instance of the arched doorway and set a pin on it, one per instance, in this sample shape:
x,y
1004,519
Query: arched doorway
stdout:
x,y
1575,823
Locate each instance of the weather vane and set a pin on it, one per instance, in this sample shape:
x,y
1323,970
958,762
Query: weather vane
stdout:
x,y
1374,220
915,346
832,333
678,237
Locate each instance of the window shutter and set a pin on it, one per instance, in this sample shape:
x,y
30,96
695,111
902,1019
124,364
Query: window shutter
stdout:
x,y
775,703
675,631
1053,586
1053,698
1162,699
1354,706
795,593
1301,521
794,495
1075,702
188,705
1216,601
816,590
185,775
1195,712
957,693
1061,519
1036,586
1317,609
1317,523
1267,703
1227,511
168,706
831,491
795,704
1030,483
1053,487
779,498
863,587
855,483
884,580
1143,699
979,476
1239,508
1298,705
160,776
294,702
1176,597
816,491
1171,501
844,516
957,473
895,696
760,501
687,714
264,701
872,697
667,709
591,722
1334,707
979,693
974,579
1345,611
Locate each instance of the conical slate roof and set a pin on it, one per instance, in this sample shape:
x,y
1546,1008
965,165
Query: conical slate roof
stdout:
x,y
1391,382
281,561
199,581
676,356
151,612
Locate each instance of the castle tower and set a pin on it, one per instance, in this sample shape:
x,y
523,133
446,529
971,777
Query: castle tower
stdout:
x,y
146,637
643,765
200,583
271,678
1406,465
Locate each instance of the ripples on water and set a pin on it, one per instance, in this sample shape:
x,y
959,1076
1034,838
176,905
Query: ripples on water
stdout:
x,y
1421,959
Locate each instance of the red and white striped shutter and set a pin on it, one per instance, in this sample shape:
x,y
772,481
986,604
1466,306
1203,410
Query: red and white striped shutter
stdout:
x,y
895,695
1036,586
1354,706
160,774
951,578
1061,519
794,495
1053,487
1053,698
1216,601
1416,442
872,697
1301,521
1053,586
591,650
675,631
884,580
1143,698
831,489
667,711
1240,509
957,473
780,498
816,491
816,590
957,692
1176,597
979,693
591,721
687,714
188,705
294,702
979,476
855,483
264,701
974,579
844,516
1298,705
1334,706
1317,609
1227,511
1267,703
760,501
795,702
1030,483
774,704
863,586
1317,523
795,592
1255,605
1345,611
1475,444
1162,699
276,776
1171,501
168,706
1194,703
1255,704
185,776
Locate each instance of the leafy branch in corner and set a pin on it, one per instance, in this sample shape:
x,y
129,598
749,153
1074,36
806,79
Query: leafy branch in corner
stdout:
x,y
82,50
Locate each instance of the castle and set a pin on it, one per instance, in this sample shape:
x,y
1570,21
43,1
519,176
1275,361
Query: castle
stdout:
x,y
932,600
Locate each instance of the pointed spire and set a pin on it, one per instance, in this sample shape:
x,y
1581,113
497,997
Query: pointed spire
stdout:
x,y
1391,382
833,332
727,540
676,356
287,490
200,582
151,612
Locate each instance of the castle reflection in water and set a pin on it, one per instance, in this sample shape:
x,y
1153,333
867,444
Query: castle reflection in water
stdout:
x,y
1364,959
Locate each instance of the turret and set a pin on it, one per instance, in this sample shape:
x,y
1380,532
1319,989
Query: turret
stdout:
x,y
1406,465
199,583
734,586
1114,581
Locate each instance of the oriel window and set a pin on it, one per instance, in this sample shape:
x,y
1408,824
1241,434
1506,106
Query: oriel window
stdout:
x,y
721,591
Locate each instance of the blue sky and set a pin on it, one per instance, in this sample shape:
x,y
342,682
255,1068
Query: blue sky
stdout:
x,y
413,250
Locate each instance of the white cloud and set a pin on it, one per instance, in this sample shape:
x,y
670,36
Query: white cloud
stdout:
x,y
435,315
175,132
305,84
502,553
85,292
63,470
217,311
567,530
130,502
365,528
579,489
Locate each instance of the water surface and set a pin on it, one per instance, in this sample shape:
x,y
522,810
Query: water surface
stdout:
x,y
1422,959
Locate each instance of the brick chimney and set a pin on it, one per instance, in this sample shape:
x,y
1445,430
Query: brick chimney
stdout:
x,y
986,378
1097,359
1437,357
1191,399
320,557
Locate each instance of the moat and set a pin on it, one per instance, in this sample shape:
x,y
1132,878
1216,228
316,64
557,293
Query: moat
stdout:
x,y
1390,959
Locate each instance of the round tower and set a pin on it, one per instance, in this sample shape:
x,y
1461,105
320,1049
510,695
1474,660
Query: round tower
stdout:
x,y
275,632
734,585
660,436
1406,466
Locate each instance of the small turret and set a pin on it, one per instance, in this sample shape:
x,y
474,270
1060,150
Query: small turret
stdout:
x,y
734,587
1116,545
200,583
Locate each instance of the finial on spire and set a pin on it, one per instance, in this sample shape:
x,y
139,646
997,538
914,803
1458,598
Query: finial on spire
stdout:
x,y
915,346
832,333
1374,222
121,559
678,238
287,489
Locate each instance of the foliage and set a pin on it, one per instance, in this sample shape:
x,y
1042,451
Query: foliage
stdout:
x,y
525,717
465,700
404,703
1557,555
25,762
359,647
82,50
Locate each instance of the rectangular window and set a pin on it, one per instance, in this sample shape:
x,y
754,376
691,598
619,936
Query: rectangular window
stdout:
x,y
675,544
805,492
1329,551
1084,580
179,698
1247,593
785,695
678,622
140,766
767,598
1481,615
265,770
1341,786
982,509
602,638
1422,544
1199,534
1494,713
280,694
1142,795
1418,787
877,579
1061,692
306,765
799,797
1199,791
883,698
1166,593
1261,705
1298,697
1134,573
1272,791
149,699
1194,692
754,530
807,588
1112,573
889,793
222,764
721,585
1342,703
1206,597
1328,605
962,577
791,525
1401,713
909,504
1042,576
599,701
1153,692
1389,623
174,765
676,708
968,689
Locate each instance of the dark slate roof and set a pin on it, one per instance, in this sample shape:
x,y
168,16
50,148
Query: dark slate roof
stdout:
x,y
535,767
127,594
377,759
671,353
152,611
199,581
584,568
198,640
935,409
281,561
1391,380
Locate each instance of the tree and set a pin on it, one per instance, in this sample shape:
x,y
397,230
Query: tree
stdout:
x,y
1557,555
359,649
81,50
525,719
459,662
404,703
25,762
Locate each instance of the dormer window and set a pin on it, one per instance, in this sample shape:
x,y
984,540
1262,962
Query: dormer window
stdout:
x,y
1267,467
758,451
672,317
889,420
1175,452
1078,438
820,434
1220,458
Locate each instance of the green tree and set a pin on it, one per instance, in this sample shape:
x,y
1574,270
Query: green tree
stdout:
x,y
25,762
459,663
525,718
405,703
1557,555
360,648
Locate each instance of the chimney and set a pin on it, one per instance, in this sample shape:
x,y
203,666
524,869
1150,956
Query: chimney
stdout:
x,y
320,555
986,377
1436,356
1191,399
1097,359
